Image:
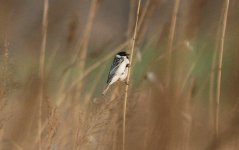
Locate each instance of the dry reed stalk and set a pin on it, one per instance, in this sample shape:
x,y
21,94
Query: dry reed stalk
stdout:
x,y
219,71
144,14
212,76
81,46
114,143
2,131
75,147
52,124
4,87
42,68
211,88
83,126
170,43
147,11
61,94
141,26
6,52
85,40
188,115
115,126
131,18
82,49
128,77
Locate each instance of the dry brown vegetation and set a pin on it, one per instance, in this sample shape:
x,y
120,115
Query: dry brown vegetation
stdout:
x,y
183,87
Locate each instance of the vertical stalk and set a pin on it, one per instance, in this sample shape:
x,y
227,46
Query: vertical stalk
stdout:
x,y
3,91
128,77
85,40
131,18
213,75
42,67
170,43
87,33
219,71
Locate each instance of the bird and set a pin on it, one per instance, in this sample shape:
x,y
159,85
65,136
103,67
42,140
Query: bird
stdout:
x,y
118,70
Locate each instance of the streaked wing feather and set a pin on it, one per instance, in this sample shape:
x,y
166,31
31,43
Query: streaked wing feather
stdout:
x,y
114,67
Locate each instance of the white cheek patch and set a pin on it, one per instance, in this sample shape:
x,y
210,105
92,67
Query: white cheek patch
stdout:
x,y
126,60
118,56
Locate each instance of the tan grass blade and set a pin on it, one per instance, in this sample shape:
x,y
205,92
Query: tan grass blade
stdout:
x,y
85,39
128,77
42,68
213,76
170,43
106,89
221,50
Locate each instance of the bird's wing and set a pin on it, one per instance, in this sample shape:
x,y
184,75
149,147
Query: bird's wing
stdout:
x,y
116,63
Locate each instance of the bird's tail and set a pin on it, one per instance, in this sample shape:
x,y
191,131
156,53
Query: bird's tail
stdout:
x,y
106,89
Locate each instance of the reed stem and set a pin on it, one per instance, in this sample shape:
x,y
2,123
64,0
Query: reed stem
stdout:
x,y
42,68
128,77
221,50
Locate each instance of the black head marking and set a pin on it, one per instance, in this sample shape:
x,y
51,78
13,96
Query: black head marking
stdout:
x,y
122,53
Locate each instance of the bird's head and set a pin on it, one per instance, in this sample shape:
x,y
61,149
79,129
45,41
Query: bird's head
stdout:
x,y
122,53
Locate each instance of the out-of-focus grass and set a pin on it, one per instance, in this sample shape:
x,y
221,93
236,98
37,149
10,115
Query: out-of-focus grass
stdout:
x,y
157,117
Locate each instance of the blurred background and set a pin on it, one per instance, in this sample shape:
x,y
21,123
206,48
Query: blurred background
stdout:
x,y
55,61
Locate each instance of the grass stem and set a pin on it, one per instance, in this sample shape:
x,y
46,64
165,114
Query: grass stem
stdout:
x,y
128,77
170,43
221,50
42,67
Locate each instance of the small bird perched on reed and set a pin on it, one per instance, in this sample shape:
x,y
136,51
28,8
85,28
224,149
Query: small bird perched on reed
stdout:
x,y
119,69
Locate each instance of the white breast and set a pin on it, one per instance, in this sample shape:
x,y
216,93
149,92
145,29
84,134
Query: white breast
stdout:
x,y
124,75
121,72
122,66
